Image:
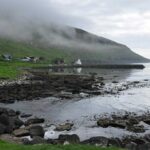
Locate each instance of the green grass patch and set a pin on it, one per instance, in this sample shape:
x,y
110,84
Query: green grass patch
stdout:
x,y
8,146
14,69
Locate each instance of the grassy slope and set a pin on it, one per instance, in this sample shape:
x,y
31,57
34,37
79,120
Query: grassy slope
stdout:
x,y
18,50
12,69
7,146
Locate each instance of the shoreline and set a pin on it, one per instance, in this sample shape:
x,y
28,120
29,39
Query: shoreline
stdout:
x,y
99,66
64,86
30,131
38,85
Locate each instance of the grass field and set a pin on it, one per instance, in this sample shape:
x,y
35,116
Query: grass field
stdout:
x,y
7,146
13,69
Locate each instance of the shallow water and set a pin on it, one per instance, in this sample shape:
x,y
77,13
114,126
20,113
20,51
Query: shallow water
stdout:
x,y
83,113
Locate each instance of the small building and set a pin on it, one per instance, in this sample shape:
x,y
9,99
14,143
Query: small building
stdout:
x,y
26,59
7,57
59,61
78,62
30,59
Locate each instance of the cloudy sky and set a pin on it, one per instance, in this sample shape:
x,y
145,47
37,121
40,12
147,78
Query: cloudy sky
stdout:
x,y
125,21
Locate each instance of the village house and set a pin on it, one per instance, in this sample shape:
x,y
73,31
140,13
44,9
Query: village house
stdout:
x,y
7,57
30,59
59,61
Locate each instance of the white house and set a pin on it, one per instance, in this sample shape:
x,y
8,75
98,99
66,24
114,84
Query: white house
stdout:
x,y
26,59
78,62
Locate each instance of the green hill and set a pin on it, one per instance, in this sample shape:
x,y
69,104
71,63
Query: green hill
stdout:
x,y
69,43
20,50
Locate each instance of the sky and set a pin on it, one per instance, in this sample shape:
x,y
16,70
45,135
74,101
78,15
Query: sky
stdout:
x,y
124,21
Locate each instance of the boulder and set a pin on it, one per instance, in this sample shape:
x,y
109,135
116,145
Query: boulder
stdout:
x,y
115,142
72,139
132,121
131,146
63,127
101,141
145,146
2,129
136,128
147,137
36,131
38,140
103,123
118,124
25,115
113,123
34,121
4,119
9,120
21,132
147,121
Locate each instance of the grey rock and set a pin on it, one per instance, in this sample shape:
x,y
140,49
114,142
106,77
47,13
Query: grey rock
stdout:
x,y
34,121
21,132
101,141
36,131
72,139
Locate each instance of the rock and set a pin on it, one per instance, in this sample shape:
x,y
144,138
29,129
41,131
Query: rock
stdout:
x,y
11,113
115,82
2,129
147,137
147,121
131,146
18,123
145,146
136,82
72,139
138,141
10,138
118,124
9,119
103,123
115,142
63,127
34,121
36,131
4,119
25,115
26,141
132,121
101,141
38,140
21,132
136,128
113,123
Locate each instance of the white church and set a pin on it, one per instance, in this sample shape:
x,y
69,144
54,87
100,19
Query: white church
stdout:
x,y
78,62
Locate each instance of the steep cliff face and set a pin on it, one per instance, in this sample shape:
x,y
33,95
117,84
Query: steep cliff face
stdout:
x,y
73,43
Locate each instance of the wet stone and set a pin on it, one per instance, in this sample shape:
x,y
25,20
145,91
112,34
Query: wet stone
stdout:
x,y
36,131
21,132
101,141
34,121
63,127
136,128
72,139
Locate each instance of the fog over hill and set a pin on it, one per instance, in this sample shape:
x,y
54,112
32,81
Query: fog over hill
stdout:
x,y
78,43
40,27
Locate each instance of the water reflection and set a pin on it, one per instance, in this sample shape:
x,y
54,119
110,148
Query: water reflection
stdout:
x,y
108,74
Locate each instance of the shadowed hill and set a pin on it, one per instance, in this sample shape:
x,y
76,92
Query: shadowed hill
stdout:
x,y
66,42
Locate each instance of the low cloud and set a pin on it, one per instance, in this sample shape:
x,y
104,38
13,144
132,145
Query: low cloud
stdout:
x,y
118,20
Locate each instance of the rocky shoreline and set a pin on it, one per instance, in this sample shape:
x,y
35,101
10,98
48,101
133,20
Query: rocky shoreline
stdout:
x,y
64,86
25,129
31,131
